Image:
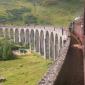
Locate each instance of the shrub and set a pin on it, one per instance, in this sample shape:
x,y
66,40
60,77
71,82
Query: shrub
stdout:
x,y
30,19
6,49
3,19
16,14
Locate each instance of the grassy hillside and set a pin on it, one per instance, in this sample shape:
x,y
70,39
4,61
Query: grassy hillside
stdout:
x,y
55,12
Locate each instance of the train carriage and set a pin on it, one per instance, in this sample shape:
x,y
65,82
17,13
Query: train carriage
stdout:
x,y
77,28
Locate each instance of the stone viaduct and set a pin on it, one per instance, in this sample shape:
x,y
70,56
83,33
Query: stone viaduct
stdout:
x,y
46,40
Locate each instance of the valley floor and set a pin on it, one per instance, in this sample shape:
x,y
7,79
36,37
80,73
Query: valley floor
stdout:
x,y
26,70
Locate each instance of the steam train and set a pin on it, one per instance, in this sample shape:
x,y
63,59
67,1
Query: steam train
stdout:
x,y
76,29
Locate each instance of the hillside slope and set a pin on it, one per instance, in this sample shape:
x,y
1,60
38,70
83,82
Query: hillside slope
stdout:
x,y
55,12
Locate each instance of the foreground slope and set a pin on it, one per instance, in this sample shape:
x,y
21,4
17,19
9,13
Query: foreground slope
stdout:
x,y
26,70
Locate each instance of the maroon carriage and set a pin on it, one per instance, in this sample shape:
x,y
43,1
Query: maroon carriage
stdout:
x,y
77,29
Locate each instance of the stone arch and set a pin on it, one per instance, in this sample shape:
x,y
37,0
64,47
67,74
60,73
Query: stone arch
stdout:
x,y
52,46
47,45
37,41
1,32
22,36
11,34
60,42
16,36
32,39
56,46
27,38
42,42
6,33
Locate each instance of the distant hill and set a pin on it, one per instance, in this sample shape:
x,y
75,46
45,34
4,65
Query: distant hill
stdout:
x,y
54,12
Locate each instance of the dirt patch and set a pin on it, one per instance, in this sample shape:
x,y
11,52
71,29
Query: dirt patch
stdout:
x,y
18,53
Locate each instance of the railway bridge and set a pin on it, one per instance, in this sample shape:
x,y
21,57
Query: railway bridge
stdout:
x,y
46,40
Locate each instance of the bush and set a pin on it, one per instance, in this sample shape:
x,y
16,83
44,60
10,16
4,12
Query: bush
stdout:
x,y
6,49
16,14
30,19
3,19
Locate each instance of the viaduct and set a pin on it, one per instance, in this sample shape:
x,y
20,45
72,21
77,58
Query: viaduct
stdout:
x,y
51,42
46,40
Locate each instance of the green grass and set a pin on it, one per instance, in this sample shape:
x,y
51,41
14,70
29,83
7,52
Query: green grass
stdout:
x,y
62,13
26,70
